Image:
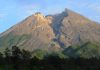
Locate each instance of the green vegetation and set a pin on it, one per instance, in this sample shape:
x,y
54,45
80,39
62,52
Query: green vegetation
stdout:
x,y
16,59
84,57
10,39
59,54
87,50
39,53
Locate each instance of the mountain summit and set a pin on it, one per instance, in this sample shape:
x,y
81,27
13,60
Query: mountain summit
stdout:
x,y
53,33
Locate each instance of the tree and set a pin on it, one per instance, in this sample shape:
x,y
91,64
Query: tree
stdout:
x,y
26,55
16,54
7,54
1,58
16,51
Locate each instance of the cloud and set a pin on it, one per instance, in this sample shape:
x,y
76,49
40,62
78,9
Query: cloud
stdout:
x,y
2,15
95,7
30,9
24,1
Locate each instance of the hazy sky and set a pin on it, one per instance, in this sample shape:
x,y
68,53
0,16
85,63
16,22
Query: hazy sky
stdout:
x,y
13,11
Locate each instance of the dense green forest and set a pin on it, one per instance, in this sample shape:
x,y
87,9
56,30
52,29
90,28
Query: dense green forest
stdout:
x,y
16,59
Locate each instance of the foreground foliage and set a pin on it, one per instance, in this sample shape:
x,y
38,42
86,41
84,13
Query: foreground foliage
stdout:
x,y
16,59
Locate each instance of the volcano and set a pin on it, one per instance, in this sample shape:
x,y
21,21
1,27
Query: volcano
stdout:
x,y
52,32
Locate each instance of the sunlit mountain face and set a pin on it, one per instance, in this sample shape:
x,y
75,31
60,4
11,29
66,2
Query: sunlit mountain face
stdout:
x,y
67,32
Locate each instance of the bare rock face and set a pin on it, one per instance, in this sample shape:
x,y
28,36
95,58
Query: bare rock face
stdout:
x,y
54,32
73,29
32,33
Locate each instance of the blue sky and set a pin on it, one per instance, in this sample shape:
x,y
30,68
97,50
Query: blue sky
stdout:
x,y
13,11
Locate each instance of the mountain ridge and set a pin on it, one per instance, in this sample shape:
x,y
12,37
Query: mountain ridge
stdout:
x,y
52,33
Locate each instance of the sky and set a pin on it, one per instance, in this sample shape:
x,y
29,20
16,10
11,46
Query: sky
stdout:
x,y
14,11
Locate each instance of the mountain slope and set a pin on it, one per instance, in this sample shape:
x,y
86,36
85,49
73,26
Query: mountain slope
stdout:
x,y
33,32
75,29
52,33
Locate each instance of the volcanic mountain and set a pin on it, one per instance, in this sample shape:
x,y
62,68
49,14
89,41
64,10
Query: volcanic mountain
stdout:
x,y
52,32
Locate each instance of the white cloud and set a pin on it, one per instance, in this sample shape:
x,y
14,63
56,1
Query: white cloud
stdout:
x,y
31,9
2,15
95,7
